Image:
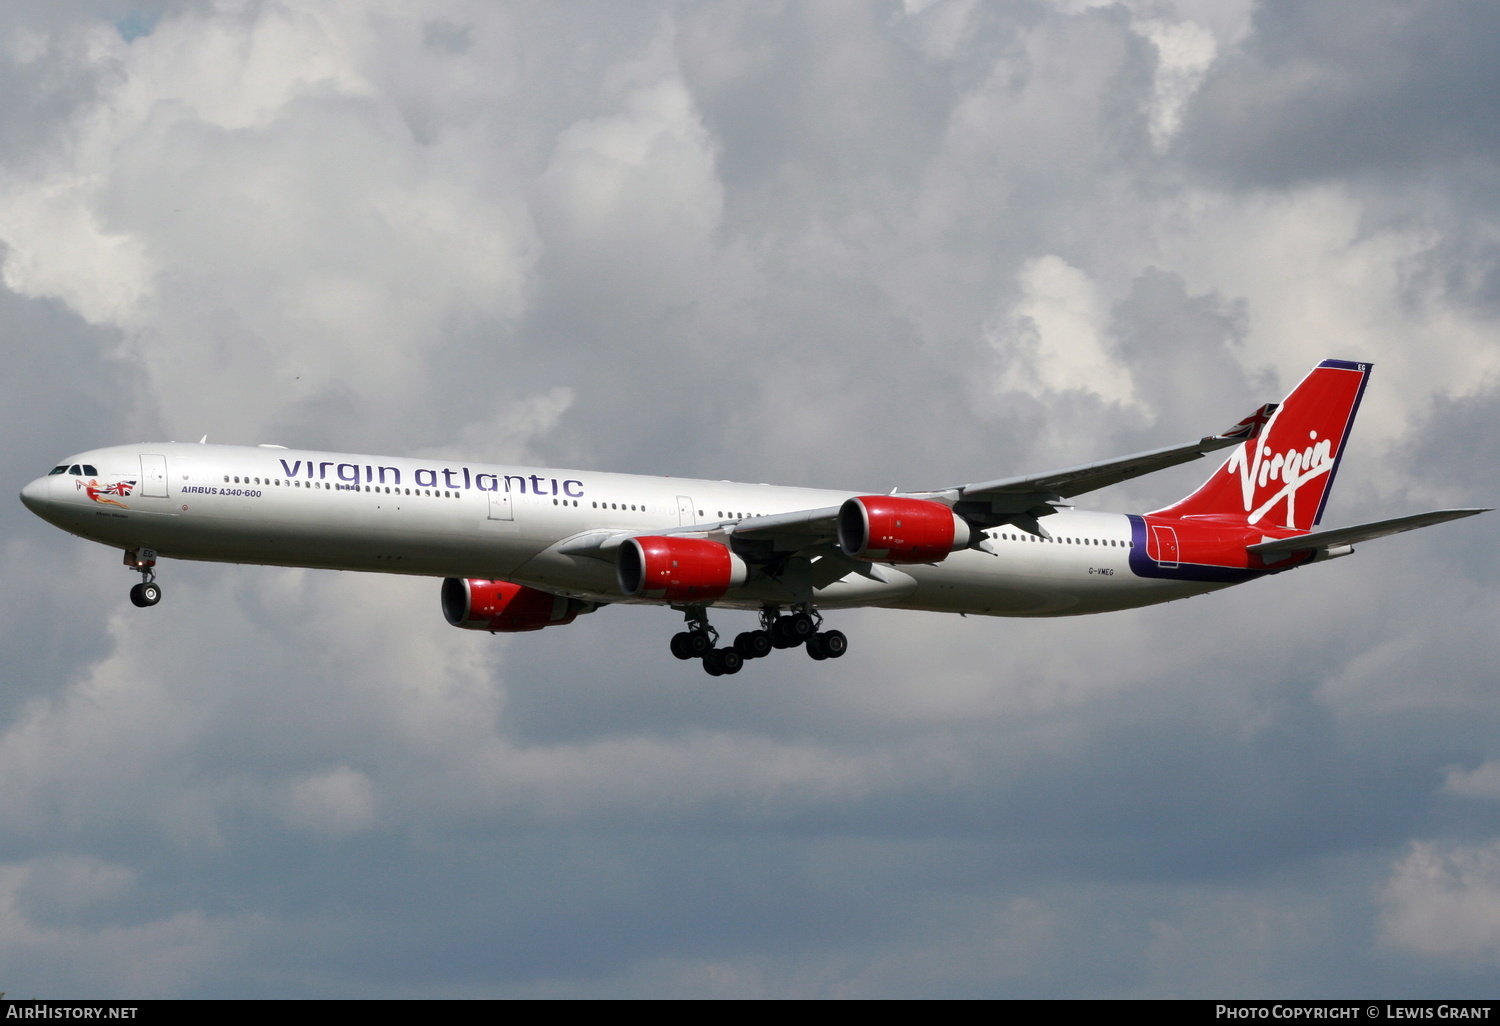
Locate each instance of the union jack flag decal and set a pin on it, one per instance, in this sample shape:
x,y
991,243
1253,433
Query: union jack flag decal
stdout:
x,y
101,493
1252,425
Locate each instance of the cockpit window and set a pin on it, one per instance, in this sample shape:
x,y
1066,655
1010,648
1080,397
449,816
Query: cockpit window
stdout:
x,y
75,469
58,470
89,470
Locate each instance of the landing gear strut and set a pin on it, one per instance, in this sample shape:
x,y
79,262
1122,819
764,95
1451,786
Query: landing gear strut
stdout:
x,y
143,561
698,642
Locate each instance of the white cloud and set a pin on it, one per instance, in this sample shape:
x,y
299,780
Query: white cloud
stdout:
x,y
61,935
1055,341
1482,781
637,188
340,801
1184,52
57,249
509,436
1443,901
246,205
1320,282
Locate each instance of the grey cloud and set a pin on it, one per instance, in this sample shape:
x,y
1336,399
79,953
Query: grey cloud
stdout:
x,y
1351,89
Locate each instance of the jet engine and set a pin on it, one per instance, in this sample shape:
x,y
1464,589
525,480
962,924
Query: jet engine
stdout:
x,y
894,530
503,607
689,570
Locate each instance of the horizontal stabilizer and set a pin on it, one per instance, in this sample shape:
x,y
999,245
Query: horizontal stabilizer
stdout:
x,y
1362,532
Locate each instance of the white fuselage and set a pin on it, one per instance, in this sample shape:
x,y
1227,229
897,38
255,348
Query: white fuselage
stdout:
x,y
450,518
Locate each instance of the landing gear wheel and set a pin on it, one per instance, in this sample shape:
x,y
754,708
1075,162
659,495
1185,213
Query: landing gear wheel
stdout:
x,y
791,631
814,647
833,643
697,642
753,644
721,662
148,592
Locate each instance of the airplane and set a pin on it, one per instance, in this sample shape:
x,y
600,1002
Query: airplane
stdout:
x,y
521,548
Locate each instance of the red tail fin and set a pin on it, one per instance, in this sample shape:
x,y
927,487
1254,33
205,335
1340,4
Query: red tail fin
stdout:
x,y
1283,477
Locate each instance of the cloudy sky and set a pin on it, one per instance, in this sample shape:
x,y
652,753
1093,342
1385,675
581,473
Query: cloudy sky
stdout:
x,y
860,245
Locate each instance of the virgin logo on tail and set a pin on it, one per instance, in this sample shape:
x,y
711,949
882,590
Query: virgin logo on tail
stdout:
x,y
1291,469
1282,478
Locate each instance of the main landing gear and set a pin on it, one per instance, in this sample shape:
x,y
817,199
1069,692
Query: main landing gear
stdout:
x,y
776,631
698,642
143,561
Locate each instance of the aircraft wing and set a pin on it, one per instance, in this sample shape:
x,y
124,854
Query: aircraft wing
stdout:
x,y
1021,500
1091,476
1012,500
1324,540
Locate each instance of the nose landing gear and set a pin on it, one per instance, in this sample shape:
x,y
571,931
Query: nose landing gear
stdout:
x,y
143,561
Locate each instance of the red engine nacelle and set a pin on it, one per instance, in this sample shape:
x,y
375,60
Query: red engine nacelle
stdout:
x,y
678,569
500,606
892,530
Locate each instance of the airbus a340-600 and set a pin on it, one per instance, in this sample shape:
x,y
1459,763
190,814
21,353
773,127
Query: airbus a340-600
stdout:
x,y
523,548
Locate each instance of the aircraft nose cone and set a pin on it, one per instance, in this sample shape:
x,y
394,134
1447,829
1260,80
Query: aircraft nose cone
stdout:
x,y
36,494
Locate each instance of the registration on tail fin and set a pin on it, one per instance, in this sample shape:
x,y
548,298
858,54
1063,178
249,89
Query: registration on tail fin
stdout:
x,y
1282,477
